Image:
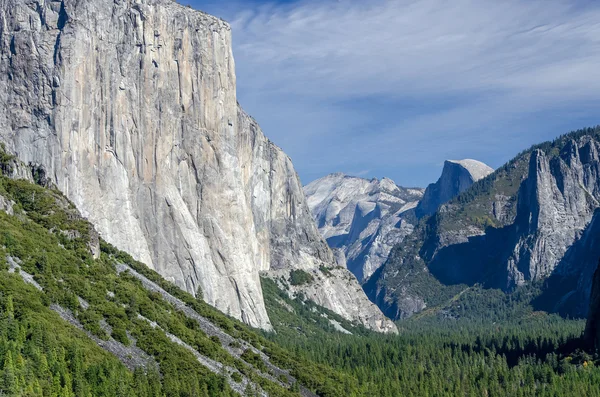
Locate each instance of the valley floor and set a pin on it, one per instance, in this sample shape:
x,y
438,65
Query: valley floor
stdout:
x,y
517,352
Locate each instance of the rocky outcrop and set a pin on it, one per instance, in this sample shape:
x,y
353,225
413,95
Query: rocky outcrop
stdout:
x,y
361,219
549,202
131,108
457,176
556,205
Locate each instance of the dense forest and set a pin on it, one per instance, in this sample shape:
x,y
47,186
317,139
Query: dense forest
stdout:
x,y
483,343
47,262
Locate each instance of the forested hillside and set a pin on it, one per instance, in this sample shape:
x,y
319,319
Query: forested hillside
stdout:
x,y
80,318
534,221
461,349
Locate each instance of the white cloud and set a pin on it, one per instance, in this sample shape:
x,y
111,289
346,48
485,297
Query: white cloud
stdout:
x,y
419,48
386,84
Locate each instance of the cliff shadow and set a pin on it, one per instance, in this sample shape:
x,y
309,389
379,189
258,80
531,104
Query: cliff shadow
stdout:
x,y
567,290
480,260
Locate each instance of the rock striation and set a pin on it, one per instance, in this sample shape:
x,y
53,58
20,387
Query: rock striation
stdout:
x,y
535,219
130,107
457,176
361,219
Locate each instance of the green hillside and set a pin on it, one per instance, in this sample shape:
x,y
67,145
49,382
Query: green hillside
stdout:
x,y
425,264
155,331
446,351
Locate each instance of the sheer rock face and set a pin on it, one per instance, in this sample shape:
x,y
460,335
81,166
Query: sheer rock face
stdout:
x,y
552,236
556,205
361,219
457,176
130,106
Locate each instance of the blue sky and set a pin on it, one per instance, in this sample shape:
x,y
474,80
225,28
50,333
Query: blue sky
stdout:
x,y
394,87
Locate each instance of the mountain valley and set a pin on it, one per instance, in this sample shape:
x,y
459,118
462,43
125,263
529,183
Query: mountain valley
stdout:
x,y
155,243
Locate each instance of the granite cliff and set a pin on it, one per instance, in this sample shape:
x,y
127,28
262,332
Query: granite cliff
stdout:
x,y
361,219
533,220
457,176
130,109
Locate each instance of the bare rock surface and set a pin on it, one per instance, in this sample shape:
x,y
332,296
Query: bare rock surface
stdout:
x,y
457,176
130,107
361,219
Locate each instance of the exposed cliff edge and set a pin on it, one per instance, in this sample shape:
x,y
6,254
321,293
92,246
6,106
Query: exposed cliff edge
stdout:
x,y
457,176
535,219
361,219
130,106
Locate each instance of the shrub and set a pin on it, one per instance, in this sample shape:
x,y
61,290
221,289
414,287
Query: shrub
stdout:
x,y
254,359
120,335
236,377
300,277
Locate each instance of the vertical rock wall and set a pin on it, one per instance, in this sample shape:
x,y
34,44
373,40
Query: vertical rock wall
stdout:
x,y
130,106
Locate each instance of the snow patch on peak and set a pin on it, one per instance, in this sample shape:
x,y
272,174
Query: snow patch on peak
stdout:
x,y
389,185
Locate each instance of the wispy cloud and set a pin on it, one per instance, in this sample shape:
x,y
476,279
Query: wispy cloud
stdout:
x,y
390,84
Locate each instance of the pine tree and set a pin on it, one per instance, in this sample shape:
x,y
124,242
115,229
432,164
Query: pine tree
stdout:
x,y
9,378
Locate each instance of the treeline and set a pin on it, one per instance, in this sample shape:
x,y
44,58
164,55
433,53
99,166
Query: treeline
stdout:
x,y
540,359
486,343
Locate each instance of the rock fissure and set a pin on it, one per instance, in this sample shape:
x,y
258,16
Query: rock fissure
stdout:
x,y
214,222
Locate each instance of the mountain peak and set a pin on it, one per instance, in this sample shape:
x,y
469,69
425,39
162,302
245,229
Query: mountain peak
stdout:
x,y
457,176
361,219
477,169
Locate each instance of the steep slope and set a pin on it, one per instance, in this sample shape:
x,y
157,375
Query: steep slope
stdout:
x,y
457,176
130,107
79,316
361,219
533,220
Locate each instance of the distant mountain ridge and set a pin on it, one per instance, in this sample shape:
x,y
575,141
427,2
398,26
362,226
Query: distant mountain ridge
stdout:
x,y
361,219
457,176
532,220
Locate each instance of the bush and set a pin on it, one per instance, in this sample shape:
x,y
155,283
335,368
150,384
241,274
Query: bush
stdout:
x,y
254,359
300,277
120,335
